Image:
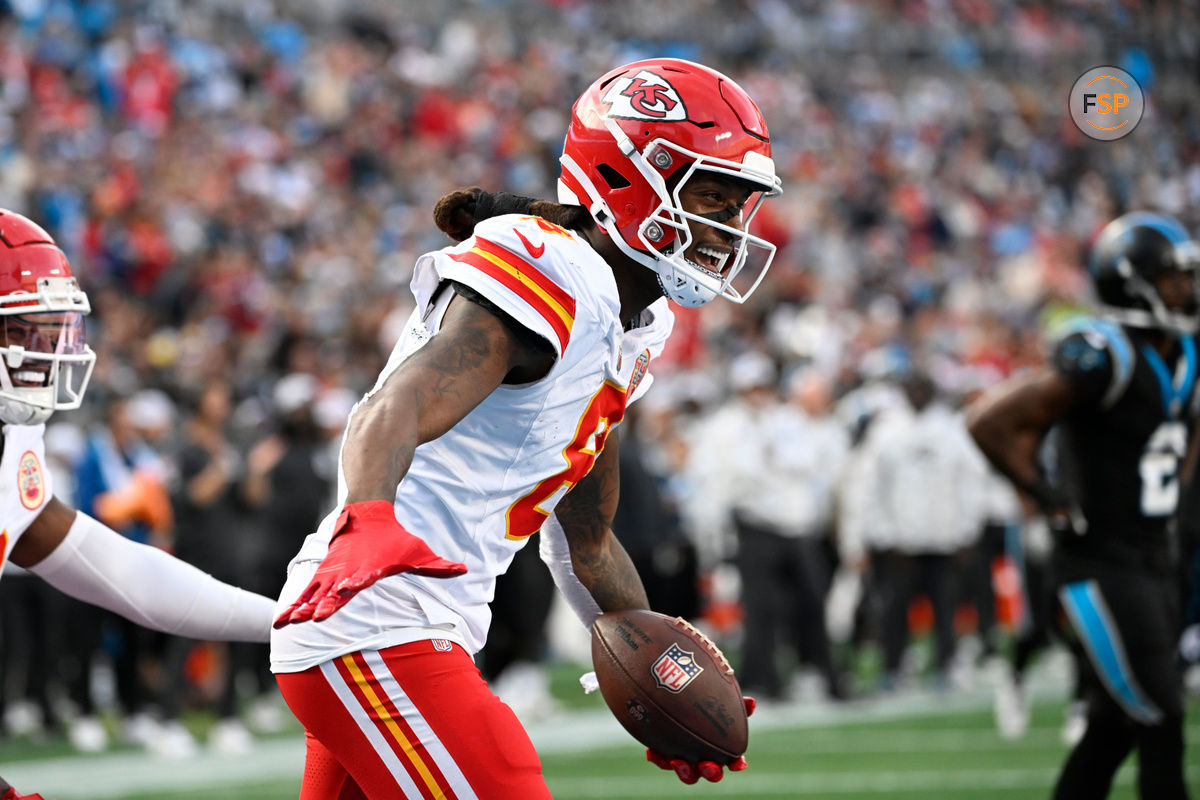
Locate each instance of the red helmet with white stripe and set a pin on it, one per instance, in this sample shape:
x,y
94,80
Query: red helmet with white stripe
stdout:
x,y
637,135
44,363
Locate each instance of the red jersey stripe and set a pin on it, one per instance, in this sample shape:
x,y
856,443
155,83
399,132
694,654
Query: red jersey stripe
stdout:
x,y
536,275
561,318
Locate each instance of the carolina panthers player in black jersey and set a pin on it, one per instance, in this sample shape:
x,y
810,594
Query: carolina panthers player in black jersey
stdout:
x,y
1120,392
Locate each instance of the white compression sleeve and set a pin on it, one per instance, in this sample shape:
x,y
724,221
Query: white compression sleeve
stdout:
x,y
142,583
556,554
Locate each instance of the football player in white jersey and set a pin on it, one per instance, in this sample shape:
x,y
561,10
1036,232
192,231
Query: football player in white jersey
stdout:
x,y
494,419
45,366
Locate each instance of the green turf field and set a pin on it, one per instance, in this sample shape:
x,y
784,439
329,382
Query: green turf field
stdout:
x,y
954,755
918,746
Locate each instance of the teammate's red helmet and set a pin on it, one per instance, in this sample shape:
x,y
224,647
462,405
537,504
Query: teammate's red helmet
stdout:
x,y
636,136
44,363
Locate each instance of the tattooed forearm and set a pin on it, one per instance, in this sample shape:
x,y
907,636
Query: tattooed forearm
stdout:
x,y
610,576
588,509
597,557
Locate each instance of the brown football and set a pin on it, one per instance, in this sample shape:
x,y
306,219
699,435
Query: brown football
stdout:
x,y
669,686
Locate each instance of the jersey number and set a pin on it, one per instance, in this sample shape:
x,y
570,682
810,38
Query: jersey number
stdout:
x,y
1159,469
607,407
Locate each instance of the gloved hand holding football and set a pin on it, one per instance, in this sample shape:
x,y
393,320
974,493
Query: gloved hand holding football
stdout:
x,y
674,691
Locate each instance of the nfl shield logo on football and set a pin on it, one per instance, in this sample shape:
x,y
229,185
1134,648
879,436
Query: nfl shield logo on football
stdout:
x,y
675,669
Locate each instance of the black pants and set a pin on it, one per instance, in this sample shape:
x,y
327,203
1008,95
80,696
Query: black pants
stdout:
x,y
1125,618
784,580
904,576
669,573
1035,628
29,633
520,610
979,582
178,692
1039,626
86,632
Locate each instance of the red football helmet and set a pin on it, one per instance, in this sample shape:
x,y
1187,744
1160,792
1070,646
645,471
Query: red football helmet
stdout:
x,y
637,135
44,363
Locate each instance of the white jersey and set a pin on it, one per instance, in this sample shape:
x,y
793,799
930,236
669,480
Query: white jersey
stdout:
x,y
24,484
923,482
477,493
785,470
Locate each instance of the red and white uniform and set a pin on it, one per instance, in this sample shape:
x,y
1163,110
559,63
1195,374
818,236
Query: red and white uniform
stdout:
x,y
24,483
479,492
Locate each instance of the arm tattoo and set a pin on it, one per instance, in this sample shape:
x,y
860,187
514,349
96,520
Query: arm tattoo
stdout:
x,y
600,562
471,343
458,368
426,396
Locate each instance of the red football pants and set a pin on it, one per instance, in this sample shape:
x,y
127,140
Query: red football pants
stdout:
x,y
410,722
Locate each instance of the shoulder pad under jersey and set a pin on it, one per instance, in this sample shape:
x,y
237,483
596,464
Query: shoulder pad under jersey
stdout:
x,y
1096,357
526,267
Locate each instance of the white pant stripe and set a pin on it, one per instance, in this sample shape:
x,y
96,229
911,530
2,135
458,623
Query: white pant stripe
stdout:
x,y
388,756
433,745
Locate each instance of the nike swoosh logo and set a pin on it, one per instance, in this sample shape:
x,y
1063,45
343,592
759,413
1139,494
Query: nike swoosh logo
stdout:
x,y
536,252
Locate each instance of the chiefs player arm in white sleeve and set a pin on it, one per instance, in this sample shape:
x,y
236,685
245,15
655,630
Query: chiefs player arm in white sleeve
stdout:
x,y
89,561
45,365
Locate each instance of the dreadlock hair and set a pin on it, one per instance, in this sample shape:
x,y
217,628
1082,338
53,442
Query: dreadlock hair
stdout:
x,y
456,213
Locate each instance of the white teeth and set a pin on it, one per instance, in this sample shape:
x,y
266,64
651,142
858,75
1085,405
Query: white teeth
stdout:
x,y
28,376
721,256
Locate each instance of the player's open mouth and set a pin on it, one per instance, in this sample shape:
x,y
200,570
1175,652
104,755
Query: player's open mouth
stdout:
x,y
30,377
712,259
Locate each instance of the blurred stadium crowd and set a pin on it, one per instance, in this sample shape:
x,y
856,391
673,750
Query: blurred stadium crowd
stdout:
x,y
243,187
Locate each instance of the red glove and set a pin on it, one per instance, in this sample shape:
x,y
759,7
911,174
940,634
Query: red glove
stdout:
x,y
688,772
368,544
11,794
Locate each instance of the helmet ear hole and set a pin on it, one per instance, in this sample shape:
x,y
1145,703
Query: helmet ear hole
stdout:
x,y
614,179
